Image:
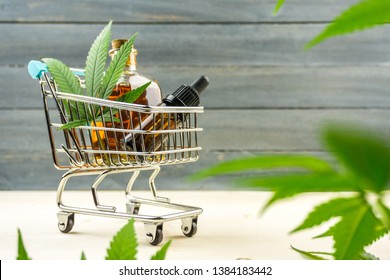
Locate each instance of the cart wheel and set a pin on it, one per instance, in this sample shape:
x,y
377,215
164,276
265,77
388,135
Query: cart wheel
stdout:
x,y
191,230
65,222
157,237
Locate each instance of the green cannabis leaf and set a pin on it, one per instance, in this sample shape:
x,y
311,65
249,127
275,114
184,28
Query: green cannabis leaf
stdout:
x,y
124,244
122,247
68,83
98,82
134,94
356,229
22,253
362,167
384,213
363,15
265,162
278,5
65,79
331,209
318,255
160,254
289,185
73,124
116,67
311,255
363,154
96,61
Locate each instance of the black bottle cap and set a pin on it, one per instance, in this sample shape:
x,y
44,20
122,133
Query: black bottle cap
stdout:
x,y
187,95
200,84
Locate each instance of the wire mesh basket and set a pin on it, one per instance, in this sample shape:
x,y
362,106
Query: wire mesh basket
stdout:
x,y
92,136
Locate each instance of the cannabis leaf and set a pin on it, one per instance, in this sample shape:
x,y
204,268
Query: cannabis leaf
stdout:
x,y
324,212
265,162
160,254
67,82
64,77
362,153
278,5
96,61
122,247
355,230
365,14
318,255
289,185
384,212
124,244
362,167
98,82
22,253
73,124
358,226
311,255
134,94
116,67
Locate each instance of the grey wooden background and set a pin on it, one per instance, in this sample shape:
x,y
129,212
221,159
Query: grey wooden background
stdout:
x,y
266,93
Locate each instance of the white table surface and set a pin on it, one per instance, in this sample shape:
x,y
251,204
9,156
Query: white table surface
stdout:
x,y
228,229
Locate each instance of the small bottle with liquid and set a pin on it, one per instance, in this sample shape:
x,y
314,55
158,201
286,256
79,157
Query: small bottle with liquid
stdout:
x,y
184,96
130,79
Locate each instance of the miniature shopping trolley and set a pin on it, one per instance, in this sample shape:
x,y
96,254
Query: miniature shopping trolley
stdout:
x,y
96,147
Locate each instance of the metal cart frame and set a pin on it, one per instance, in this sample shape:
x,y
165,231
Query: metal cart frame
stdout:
x,y
89,149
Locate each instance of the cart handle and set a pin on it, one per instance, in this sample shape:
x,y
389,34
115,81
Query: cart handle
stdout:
x,y
37,68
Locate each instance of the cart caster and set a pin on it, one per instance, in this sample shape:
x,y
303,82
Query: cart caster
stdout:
x,y
133,207
154,233
65,221
189,226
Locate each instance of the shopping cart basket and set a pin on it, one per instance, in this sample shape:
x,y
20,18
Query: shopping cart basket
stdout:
x,y
97,147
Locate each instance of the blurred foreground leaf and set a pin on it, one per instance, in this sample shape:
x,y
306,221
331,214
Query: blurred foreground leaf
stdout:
x,y
362,168
266,162
363,15
278,5
365,155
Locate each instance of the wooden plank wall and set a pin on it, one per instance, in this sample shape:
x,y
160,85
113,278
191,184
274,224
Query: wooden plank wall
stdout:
x,y
266,94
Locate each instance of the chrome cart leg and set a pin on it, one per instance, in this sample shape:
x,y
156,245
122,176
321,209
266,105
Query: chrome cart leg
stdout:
x,y
131,182
133,203
94,186
154,233
152,186
61,187
132,206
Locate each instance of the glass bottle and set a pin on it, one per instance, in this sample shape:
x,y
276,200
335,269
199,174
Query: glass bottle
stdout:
x,y
130,79
184,96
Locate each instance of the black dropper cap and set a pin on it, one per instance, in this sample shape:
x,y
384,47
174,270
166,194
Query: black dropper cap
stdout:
x,y
187,96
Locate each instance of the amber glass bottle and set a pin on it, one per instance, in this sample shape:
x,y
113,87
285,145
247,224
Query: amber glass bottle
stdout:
x,y
129,80
184,96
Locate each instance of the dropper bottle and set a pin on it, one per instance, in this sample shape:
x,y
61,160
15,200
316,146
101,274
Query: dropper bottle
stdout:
x,y
184,96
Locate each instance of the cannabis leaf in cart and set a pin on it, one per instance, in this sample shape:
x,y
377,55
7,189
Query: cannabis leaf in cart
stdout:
x,y
363,169
99,82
